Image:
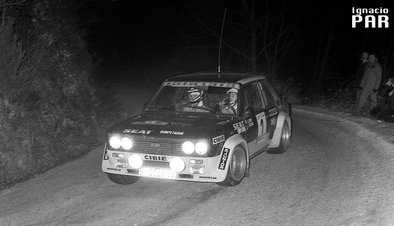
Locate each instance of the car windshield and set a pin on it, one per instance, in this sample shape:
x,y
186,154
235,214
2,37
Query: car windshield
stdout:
x,y
201,97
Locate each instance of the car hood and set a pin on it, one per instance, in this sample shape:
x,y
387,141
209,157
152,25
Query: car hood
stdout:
x,y
175,126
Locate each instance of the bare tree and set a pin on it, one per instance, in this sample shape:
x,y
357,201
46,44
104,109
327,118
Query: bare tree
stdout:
x,y
9,3
387,56
260,35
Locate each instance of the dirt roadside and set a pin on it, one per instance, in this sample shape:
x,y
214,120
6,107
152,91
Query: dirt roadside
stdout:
x,y
385,130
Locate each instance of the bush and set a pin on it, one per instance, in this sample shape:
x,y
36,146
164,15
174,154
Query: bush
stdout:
x,y
340,97
47,103
289,88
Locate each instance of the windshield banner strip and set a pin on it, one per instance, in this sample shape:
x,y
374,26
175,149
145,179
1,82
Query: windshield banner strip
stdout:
x,y
197,84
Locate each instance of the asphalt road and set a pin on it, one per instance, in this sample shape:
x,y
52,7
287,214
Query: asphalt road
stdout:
x,y
335,173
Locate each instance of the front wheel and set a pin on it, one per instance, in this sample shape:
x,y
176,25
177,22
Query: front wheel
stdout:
x,y
237,168
284,142
122,179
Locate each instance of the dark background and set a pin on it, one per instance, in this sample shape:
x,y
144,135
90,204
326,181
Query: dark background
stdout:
x,y
322,47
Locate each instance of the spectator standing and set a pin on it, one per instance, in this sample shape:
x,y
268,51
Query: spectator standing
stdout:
x,y
369,85
361,68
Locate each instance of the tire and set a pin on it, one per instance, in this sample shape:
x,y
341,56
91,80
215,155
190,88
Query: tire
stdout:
x,y
122,179
284,142
237,167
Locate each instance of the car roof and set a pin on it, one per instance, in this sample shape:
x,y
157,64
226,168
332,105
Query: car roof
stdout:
x,y
241,78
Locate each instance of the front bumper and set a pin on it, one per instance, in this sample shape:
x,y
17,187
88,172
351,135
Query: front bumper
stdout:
x,y
200,169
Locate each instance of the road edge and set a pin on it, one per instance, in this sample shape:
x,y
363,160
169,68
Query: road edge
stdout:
x,y
372,128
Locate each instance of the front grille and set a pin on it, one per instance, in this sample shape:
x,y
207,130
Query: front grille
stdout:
x,y
157,146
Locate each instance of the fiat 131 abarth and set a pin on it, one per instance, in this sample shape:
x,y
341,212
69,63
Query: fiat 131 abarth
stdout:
x,y
203,127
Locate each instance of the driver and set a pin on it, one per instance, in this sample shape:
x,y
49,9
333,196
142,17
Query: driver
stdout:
x,y
230,104
195,100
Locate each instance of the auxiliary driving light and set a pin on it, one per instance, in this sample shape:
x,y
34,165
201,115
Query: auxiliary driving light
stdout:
x,y
114,142
135,161
177,164
201,148
188,147
126,143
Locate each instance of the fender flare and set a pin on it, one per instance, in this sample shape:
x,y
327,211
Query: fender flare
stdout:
x,y
282,118
231,143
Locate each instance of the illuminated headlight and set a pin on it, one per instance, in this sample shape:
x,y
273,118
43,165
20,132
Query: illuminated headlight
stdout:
x,y
177,164
126,143
135,161
201,148
188,147
114,142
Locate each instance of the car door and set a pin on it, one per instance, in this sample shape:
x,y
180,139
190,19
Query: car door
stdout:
x,y
272,102
254,112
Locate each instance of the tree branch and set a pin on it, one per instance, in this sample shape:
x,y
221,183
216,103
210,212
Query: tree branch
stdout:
x,y
217,36
5,5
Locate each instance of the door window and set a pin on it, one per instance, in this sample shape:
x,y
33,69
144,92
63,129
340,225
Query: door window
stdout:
x,y
252,97
269,93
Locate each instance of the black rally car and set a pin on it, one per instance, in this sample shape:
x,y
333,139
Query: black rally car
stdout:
x,y
201,127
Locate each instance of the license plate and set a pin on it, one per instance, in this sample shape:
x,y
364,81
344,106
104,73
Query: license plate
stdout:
x,y
157,173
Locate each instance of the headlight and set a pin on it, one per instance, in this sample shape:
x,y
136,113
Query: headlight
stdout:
x,y
201,148
177,164
188,147
126,143
135,161
114,142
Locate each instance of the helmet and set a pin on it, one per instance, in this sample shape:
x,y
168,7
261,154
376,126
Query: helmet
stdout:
x,y
194,94
232,90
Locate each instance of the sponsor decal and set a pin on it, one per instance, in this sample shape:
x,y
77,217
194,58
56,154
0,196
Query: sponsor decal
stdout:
x,y
249,122
218,139
172,132
273,121
207,177
261,122
370,17
223,158
155,158
137,131
157,123
114,169
154,145
194,84
272,111
239,127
